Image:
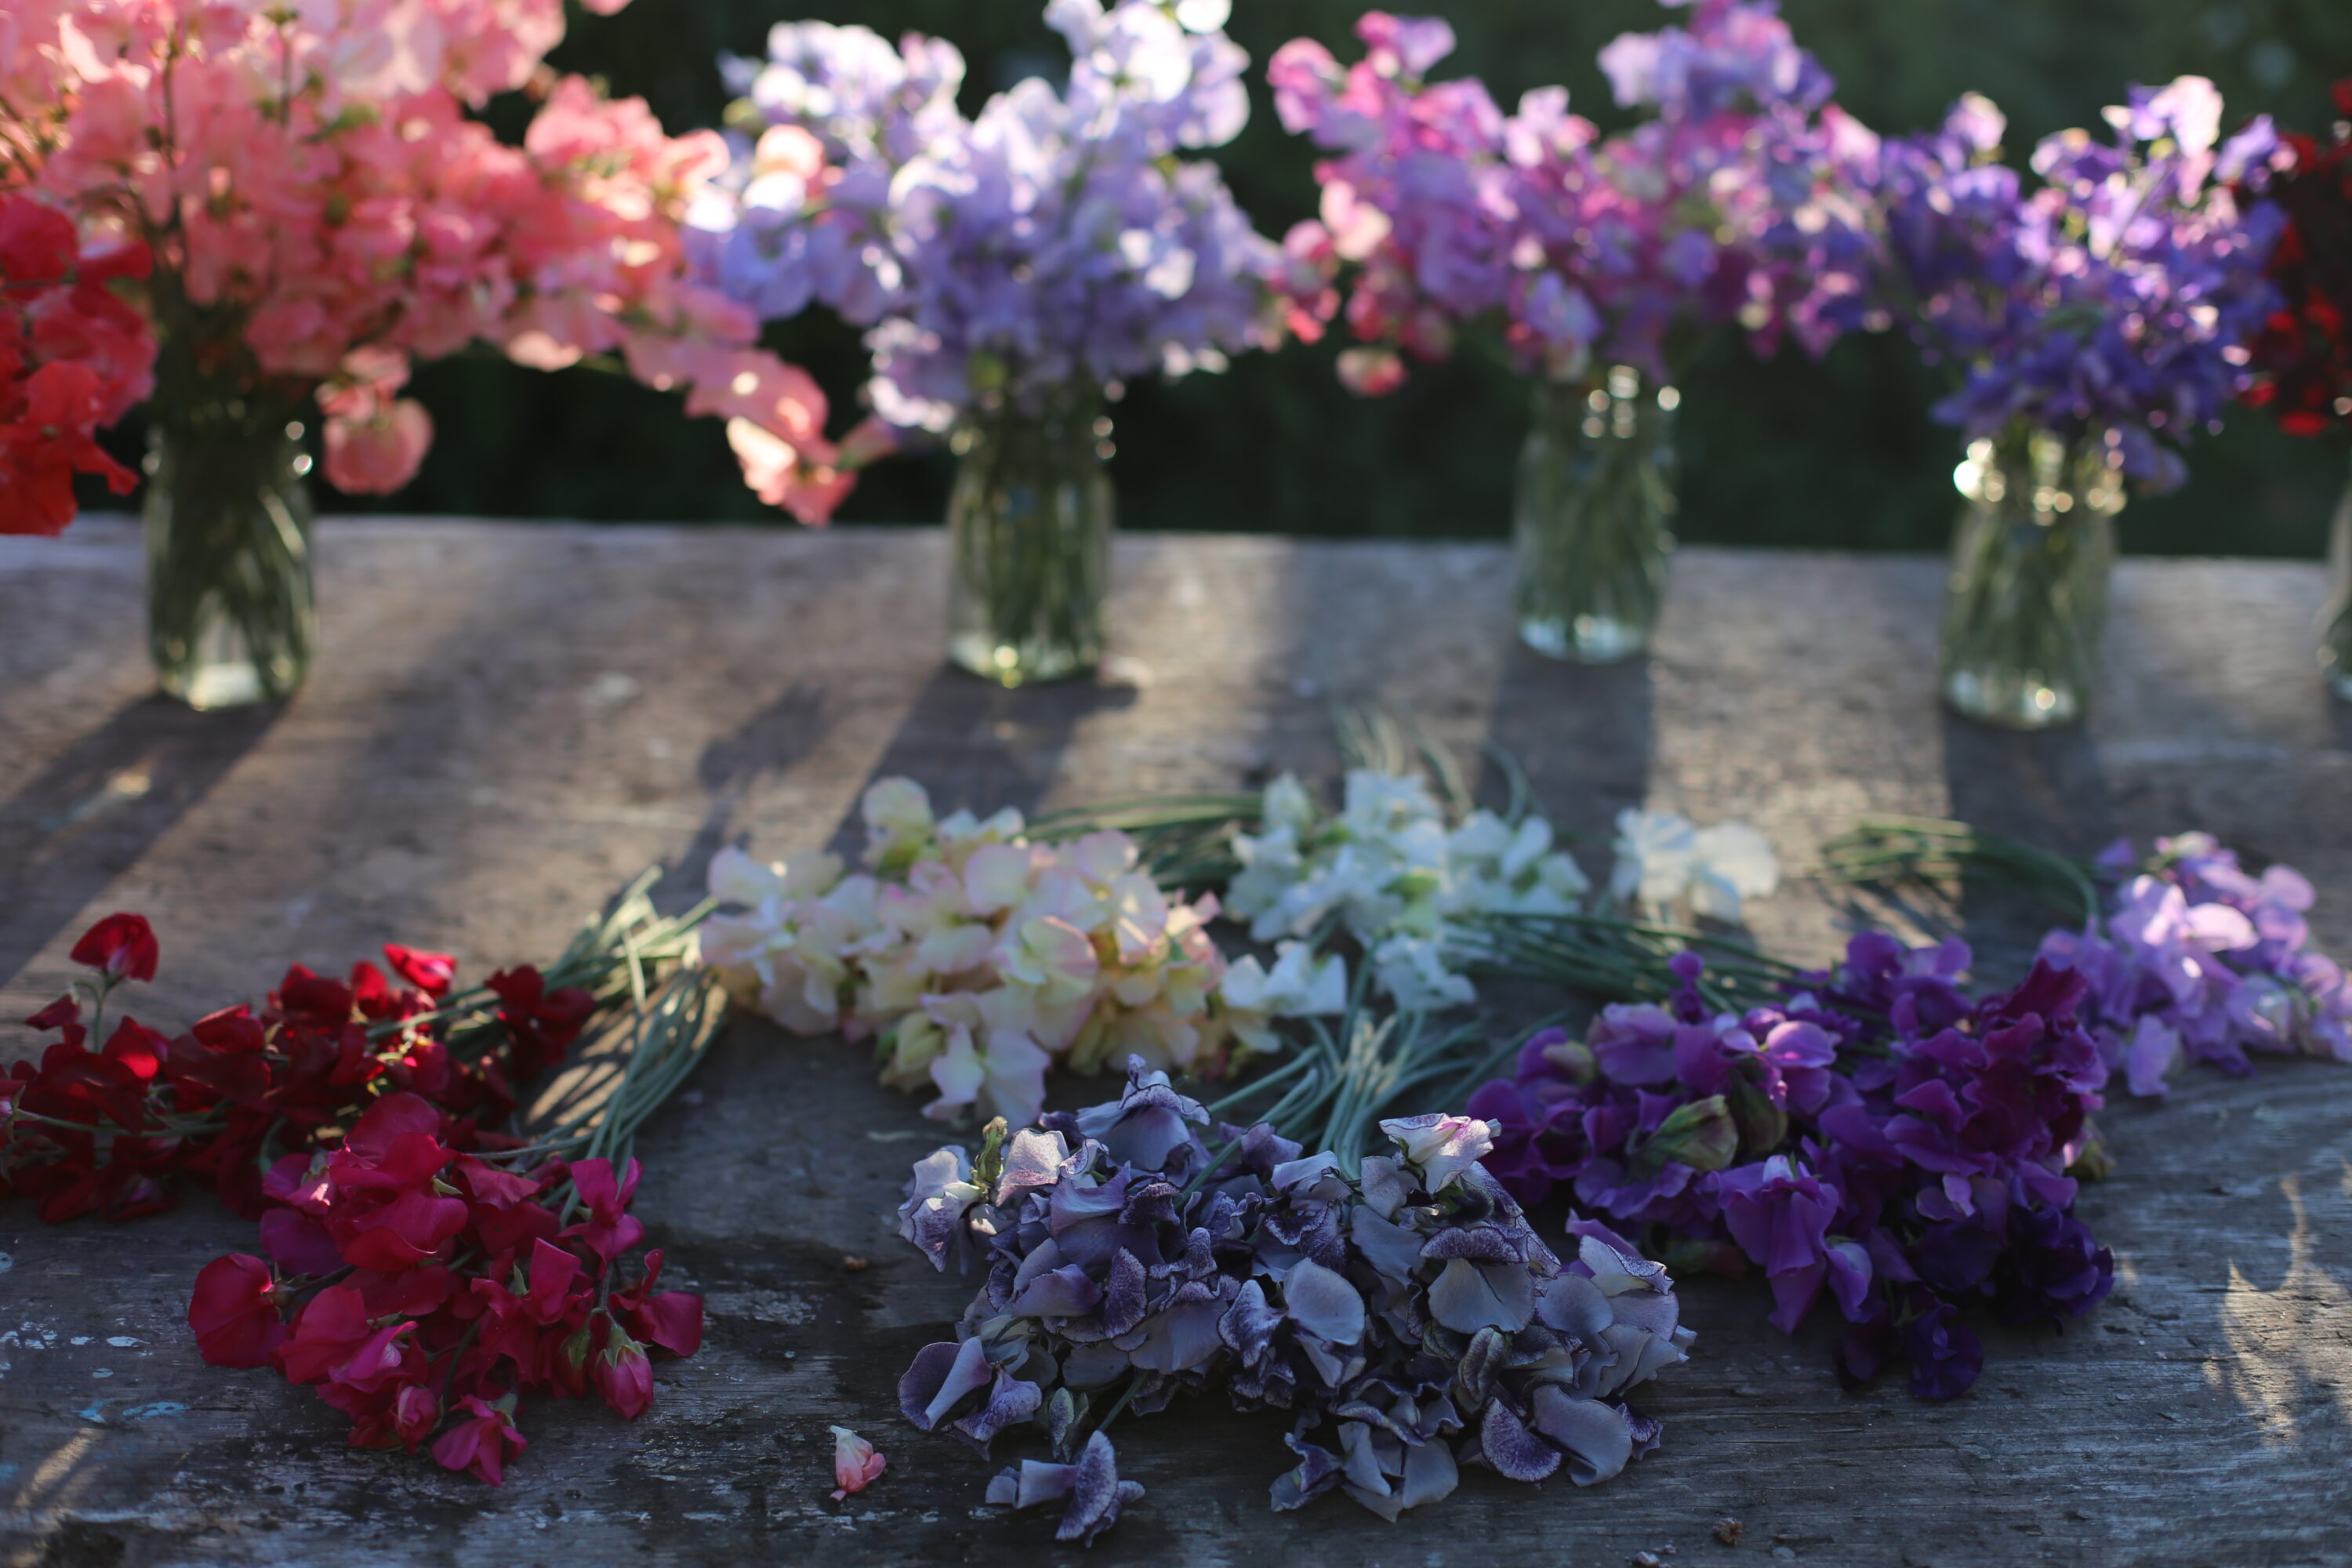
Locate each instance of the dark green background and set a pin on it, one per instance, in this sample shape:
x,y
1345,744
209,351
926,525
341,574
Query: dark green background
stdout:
x,y
1836,453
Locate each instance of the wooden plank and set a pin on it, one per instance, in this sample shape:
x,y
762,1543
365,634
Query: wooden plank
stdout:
x,y
506,722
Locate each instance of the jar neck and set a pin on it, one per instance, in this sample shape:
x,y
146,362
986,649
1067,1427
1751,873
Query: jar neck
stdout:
x,y
2031,472
1064,424
1617,403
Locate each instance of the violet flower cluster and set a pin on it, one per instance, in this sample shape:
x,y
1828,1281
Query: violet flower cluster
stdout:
x,y
2110,305
1741,198
1877,1137
1056,239
2202,961
1402,1310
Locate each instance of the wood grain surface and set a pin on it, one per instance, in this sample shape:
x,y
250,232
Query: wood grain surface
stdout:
x,y
506,722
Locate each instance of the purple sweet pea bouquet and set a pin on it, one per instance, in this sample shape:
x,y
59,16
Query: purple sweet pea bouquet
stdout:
x,y
1057,240
2112,305
1741,198
1399,1306
1876,1136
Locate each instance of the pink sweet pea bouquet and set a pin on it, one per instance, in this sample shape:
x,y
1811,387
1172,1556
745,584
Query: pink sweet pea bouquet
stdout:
x,y
322,212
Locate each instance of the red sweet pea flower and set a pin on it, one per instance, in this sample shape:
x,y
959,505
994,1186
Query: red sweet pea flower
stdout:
x,y
672,1320
120,946
541,1024
609,1229
331,1327
415,1412
235,1313
623,1375
220,1059
482,1443
65,1013
431,972
386,1210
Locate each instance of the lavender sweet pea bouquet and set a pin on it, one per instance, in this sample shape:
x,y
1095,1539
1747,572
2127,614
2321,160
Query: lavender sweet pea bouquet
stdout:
x,y
1058,238
1399,1307
2109,306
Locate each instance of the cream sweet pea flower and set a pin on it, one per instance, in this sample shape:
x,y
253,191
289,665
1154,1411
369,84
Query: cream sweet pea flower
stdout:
x,y
986,1064
898,822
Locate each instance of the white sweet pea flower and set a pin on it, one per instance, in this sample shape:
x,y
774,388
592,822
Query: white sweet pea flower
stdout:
x,y
1271,867
1376,804
1655,854
1287,804
1732,862
1411,968
1299,985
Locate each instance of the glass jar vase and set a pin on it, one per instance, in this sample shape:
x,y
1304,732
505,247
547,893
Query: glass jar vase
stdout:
x,y
1029,526
2336,618
230,620
1592,521
2026,603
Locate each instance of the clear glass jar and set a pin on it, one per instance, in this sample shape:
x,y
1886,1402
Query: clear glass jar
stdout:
x,y
2027,600
2336,618
1592,518
230,619
1029,525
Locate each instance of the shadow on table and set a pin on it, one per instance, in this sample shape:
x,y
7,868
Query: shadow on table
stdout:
x,y
769,743
91,814
2048,789
974,744
1583,732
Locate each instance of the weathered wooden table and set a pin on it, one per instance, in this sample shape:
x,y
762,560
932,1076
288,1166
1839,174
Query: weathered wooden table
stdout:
x,y
506,722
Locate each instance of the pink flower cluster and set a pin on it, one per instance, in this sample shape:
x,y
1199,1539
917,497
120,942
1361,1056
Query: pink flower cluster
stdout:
x,y
434,1287
323,210
978,957
1741,198
73,357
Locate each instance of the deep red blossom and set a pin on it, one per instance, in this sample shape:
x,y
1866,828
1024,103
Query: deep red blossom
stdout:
x,y
121,946
331,1327
541,1024
609,1229
235,1313
671,1320
483,1442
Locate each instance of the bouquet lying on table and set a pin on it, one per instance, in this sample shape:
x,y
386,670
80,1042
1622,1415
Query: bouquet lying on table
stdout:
x,y
426,1262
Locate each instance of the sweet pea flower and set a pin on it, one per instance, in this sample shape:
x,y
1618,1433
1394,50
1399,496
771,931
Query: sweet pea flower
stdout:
x,y
986,1061
1299,985
856,1465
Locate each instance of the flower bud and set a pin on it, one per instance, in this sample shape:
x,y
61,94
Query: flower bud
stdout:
x,y
1700,1134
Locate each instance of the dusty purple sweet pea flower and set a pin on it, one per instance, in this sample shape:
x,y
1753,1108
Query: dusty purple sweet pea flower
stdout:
x,y
1148,1125
1096,1493
937,1215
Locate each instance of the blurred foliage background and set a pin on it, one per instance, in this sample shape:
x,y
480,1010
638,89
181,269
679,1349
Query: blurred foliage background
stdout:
x,y
1838,453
